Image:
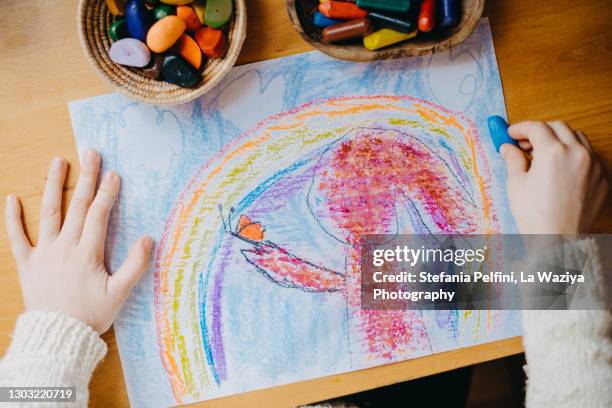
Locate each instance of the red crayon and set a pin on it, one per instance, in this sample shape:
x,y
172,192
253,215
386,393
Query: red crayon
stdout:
x,y
427,15
347,30
342,10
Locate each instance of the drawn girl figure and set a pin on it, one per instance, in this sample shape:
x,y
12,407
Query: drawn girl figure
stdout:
x,y
304,194
370,181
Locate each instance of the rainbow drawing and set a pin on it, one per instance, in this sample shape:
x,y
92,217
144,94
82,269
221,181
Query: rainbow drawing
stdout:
x,y
337,168
258,195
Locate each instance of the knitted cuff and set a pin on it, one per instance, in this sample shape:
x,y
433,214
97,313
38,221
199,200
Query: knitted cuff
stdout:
x,y
595,286
579,255
568,351
74,345
546,328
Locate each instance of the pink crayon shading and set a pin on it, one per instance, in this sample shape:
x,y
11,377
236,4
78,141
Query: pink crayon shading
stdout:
x,y
385,333
288,270
368,175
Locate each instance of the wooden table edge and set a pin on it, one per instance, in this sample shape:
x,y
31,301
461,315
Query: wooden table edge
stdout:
x,y
323,388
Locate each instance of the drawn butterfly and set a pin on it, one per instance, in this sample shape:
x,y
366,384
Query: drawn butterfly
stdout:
x,y
278,264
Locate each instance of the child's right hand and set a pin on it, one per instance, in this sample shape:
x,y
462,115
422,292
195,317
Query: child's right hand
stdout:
x,y
562,188
65,271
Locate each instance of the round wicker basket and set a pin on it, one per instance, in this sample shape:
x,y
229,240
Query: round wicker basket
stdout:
x,y
93,20
300,14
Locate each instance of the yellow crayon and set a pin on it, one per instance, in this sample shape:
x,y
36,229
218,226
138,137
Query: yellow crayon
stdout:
x,y
176,2
200,9
384,37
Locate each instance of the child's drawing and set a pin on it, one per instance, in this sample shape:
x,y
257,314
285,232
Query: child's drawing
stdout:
x,y
258,195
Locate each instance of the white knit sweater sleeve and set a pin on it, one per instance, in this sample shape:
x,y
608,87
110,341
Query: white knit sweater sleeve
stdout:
x,y
569,353
51,349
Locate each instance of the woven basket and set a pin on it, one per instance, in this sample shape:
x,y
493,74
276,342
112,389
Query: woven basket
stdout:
x,y
93,21
300,14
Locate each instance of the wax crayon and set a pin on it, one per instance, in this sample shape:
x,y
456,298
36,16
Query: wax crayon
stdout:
x,y
450,13
407,23
176,2
154,68
118,30
498,129
130,52
116,7
385,37
164,33
138,20
427,15
321,21
212,41
400,6
199,7
342,10
163,10
347,30
190,18
218,12
179,72
188,48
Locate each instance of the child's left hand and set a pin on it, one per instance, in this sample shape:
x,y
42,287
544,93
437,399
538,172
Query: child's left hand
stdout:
x,y
65,271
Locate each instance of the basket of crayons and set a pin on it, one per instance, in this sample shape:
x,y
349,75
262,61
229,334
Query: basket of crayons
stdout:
x,y
163,52
364,30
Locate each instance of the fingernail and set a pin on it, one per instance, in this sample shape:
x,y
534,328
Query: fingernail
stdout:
x,y
502,150
91,155
147,243
58,162
111,177
10,199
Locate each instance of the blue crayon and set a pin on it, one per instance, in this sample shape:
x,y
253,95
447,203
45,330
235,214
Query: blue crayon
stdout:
x,y
450,13
322,21
498,129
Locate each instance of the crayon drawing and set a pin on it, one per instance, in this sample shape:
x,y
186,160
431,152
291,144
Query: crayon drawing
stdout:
x,y
258,194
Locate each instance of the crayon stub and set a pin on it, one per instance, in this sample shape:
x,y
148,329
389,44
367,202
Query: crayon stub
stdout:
x,y
427,15
321,21
498,129
406,23
341,10
450,13
347,30
400,6
385,37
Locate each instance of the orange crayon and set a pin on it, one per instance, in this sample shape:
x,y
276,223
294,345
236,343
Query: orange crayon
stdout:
x,y
342,10
211,41
190,18
187,48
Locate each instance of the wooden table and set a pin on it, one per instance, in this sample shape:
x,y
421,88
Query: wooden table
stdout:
x,y
555,59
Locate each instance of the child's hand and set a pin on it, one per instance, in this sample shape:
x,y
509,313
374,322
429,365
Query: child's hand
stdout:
x,y
562,188
65,272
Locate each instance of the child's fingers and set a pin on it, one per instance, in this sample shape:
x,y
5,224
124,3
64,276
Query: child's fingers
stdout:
x,y
83,194
51,205
525,145
584,141
600,195
564,132
128,275
20,245
94,231
537,133
516,161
